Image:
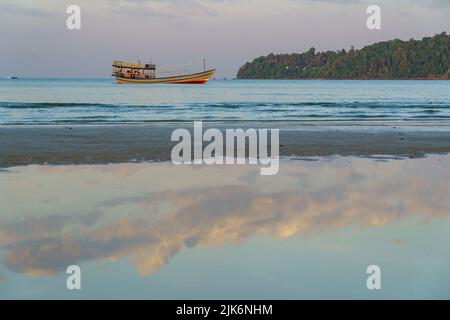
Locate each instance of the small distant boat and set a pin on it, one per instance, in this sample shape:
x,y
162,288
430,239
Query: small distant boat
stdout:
x,y
137,73
13,78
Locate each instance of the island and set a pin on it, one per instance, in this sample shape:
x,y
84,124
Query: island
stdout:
x,y
428,58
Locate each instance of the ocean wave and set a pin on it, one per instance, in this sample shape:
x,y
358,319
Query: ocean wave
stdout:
x,y
45,105
21,113
270,106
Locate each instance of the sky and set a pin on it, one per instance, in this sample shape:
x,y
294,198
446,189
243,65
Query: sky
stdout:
x,y
177,34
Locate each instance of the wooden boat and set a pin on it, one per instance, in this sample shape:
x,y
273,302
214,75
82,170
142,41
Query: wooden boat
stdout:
x,y
137,73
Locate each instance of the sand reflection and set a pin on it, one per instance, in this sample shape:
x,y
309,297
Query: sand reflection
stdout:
x,y
52,217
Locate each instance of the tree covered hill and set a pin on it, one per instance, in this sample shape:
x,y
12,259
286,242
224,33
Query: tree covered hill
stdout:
x,y
428,58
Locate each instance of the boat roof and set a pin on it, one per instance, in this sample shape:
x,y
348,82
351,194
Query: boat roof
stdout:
x,y
131,65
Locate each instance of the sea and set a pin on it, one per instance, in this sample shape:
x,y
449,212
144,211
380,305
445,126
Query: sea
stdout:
x,y
156,230
101,101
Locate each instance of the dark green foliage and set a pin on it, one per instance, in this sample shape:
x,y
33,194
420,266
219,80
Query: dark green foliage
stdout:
x,y
396,59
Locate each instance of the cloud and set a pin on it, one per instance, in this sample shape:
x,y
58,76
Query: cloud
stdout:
x,y
343,2
167,8
189,8
339,1
15,9
437,4
40,228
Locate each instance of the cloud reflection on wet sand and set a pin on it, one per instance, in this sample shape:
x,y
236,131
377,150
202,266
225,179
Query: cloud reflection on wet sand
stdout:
x,y
56,216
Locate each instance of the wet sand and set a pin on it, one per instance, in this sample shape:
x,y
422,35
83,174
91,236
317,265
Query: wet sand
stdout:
x,y
142,228
23,145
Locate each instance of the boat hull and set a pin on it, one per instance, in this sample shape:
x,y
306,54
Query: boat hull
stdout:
x,y
196,78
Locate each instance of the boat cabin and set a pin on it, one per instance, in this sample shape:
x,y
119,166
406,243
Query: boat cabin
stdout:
x,y
131,70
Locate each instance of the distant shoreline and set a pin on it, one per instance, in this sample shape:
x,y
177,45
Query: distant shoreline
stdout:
x,y
354,79
425,59
234,79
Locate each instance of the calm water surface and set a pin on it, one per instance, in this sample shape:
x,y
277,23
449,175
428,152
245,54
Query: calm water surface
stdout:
x,y
83,101
159,231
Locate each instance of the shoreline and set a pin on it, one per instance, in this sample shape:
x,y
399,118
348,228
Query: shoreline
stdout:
x,y
351,124
106,144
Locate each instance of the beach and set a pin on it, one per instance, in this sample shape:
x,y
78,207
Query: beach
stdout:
x,y
94,121
102,144
87,179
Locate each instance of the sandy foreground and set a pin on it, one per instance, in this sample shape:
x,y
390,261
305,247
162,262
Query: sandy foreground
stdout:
x,y
23,145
